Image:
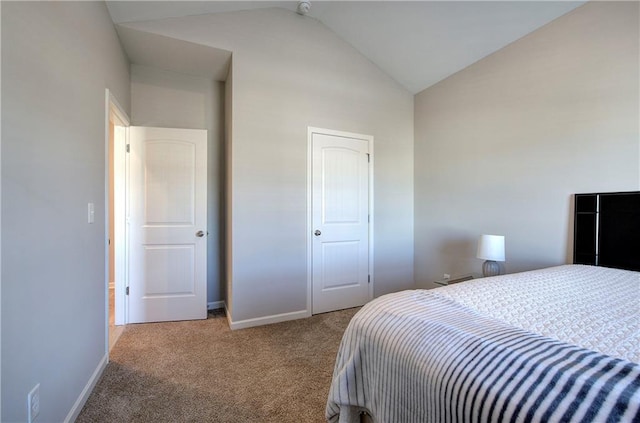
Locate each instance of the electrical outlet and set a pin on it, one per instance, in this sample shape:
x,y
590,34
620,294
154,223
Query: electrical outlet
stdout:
x,y
33,403
446,276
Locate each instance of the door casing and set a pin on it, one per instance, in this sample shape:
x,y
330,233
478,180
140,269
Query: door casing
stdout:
x,y
115,112
120,178
314,130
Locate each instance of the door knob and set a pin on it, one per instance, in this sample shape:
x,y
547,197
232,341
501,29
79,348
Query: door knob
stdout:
x,y
199,234
317,232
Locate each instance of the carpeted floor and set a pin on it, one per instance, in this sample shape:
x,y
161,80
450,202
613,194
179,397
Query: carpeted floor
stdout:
x,y
201,371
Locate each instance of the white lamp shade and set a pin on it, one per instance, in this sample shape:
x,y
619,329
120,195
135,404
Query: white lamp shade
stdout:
x,y
491,247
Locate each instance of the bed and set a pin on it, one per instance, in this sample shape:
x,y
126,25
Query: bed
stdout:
x,y
551,345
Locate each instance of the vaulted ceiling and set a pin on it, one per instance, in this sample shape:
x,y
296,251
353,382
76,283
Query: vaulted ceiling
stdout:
x,y
418,43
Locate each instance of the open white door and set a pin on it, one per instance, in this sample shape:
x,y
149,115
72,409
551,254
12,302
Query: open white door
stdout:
x,y
340,222
167,224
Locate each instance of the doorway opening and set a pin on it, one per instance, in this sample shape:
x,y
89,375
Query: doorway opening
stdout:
x,y
117,123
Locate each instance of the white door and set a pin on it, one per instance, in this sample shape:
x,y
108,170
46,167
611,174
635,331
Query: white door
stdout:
x,y
167,224
340,201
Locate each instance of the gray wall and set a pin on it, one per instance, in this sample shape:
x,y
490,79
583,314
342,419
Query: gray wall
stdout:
x,y
57,60
502,145
291,72
172,100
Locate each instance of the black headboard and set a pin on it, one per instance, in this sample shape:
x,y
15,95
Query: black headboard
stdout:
x,y
607,229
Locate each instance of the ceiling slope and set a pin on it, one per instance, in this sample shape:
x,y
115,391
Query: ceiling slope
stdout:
x,y
418,43
148,49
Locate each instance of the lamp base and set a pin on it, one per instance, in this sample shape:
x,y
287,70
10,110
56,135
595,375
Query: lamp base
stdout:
x,y
490,268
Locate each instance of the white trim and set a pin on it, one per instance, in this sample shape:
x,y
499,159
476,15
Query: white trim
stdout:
x,y
371,219
310,131
309,240
115,112
214,305
120,210
259,321
84,395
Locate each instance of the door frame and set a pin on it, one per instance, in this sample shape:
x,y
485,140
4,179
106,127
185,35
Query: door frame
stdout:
x,y
114,111
310,131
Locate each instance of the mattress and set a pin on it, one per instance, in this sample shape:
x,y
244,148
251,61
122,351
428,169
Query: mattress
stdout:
x,y
596,308
560,344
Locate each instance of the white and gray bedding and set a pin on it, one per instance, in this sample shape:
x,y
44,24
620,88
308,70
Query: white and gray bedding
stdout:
x,y
560,344
593,307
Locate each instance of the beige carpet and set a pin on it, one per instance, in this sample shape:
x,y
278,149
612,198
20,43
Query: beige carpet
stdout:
x,y
201,371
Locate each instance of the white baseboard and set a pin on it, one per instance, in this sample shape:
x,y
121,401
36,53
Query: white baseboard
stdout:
x,y
84,395
259,321
214,305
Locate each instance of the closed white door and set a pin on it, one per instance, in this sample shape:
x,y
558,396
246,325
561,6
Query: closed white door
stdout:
x,y
167,224
340,220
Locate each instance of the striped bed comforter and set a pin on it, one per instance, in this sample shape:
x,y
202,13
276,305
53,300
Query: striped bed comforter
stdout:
x,y
417,356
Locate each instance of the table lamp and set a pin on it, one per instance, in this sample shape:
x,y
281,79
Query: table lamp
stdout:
x,y
491,249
